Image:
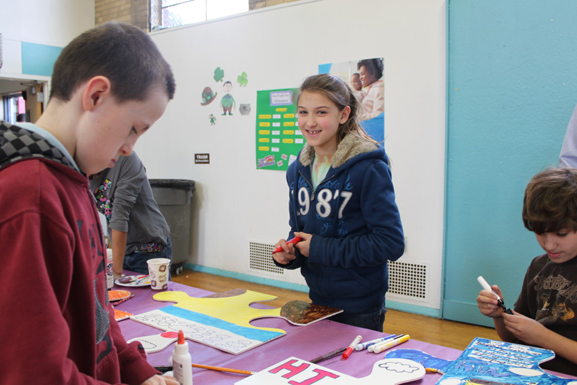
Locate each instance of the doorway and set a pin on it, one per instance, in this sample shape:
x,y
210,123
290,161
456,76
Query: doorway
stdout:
x,y
22,99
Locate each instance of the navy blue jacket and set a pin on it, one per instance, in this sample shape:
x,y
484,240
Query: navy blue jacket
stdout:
x,y
355,224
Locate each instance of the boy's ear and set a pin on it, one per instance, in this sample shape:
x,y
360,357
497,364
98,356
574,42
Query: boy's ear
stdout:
x,y
95,91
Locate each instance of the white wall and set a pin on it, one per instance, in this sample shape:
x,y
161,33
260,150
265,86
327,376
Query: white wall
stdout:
x,y
278,47
49,22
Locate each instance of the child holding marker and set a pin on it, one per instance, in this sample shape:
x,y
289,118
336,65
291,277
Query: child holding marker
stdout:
x,y
544,314
109,85
342,206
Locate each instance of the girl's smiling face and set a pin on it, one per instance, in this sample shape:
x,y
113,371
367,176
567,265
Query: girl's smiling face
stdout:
x,y
319,120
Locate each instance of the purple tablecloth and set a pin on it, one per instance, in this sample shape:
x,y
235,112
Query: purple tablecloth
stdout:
x,y
305,342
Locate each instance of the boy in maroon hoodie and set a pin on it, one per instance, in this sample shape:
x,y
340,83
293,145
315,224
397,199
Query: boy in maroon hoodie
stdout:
x,y
109,85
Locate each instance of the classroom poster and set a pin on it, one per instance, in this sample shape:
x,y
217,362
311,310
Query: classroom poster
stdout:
x,y
366,79
278,138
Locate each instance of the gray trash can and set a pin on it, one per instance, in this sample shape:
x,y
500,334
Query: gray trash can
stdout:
x,y
174,197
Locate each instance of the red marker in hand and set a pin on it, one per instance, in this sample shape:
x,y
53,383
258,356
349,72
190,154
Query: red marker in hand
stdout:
x,y
293,241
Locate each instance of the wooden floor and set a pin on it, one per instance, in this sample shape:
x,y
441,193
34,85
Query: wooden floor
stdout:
x,y
428,329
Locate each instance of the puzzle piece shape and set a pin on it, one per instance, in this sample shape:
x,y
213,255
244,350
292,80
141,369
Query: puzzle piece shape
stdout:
x,y
296,371
223,320
487,361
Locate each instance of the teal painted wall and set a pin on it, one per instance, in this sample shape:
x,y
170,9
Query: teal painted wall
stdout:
x,y
512,86
38,59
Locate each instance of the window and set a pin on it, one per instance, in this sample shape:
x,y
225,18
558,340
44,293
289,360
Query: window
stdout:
x,y
173,13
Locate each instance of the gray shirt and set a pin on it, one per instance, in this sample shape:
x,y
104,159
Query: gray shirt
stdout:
x,y
123,194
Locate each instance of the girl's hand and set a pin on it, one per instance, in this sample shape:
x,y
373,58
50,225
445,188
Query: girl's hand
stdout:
x,y
287,255
161,380
487,302
305,244
524,328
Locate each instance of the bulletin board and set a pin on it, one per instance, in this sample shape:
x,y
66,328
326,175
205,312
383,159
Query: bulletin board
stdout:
x,y
278,138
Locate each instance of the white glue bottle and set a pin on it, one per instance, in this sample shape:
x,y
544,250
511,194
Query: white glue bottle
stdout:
x,y
181,361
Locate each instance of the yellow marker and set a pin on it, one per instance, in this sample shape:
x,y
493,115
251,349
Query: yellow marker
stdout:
x,y
264,140
263,148
389,344
288,124
264,132
265,116
288,116
288,132
264,124
283,109
288,141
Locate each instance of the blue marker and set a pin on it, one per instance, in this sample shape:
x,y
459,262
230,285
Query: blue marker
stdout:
x,y
365,345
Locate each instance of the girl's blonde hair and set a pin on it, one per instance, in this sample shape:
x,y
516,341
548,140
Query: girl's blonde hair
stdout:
x,y
342,96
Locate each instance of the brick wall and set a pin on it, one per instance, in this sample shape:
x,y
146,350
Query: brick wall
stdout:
x,y
133,12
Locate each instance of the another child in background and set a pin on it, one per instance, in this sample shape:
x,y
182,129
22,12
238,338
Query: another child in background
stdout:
x,y
357,86
342,204
356,82
138,231
109,85
544,314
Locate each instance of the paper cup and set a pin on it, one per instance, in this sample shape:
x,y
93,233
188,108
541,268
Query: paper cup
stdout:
x,y
158,268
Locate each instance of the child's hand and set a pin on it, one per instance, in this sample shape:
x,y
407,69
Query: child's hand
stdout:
x,y
524,328
161,380
287,255
305,244
487,302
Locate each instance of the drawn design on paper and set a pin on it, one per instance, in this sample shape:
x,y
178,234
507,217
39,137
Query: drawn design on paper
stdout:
x,y
487,361
244,109
296,371
223,320
242,79
425,359
156,342
218,74
227,103
208,96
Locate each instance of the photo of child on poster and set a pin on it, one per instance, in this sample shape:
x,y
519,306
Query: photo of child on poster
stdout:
x,y
365,77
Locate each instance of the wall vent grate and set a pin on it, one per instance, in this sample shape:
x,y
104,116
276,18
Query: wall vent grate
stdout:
x,y
260,258
408,279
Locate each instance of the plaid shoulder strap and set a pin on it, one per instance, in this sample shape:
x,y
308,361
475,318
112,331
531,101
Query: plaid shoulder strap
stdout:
x,y
17,143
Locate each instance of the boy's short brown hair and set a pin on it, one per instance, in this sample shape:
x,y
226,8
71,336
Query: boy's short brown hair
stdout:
x,y
550,201
124,54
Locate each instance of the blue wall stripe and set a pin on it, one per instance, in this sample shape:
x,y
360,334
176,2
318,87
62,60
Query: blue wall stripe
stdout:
x,y
248,278
38,59
423,310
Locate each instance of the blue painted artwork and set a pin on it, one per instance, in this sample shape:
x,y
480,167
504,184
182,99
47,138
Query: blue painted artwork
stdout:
x,y
489,362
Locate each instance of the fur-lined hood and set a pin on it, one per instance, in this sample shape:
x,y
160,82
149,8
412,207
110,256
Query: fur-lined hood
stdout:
x,y
348,148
